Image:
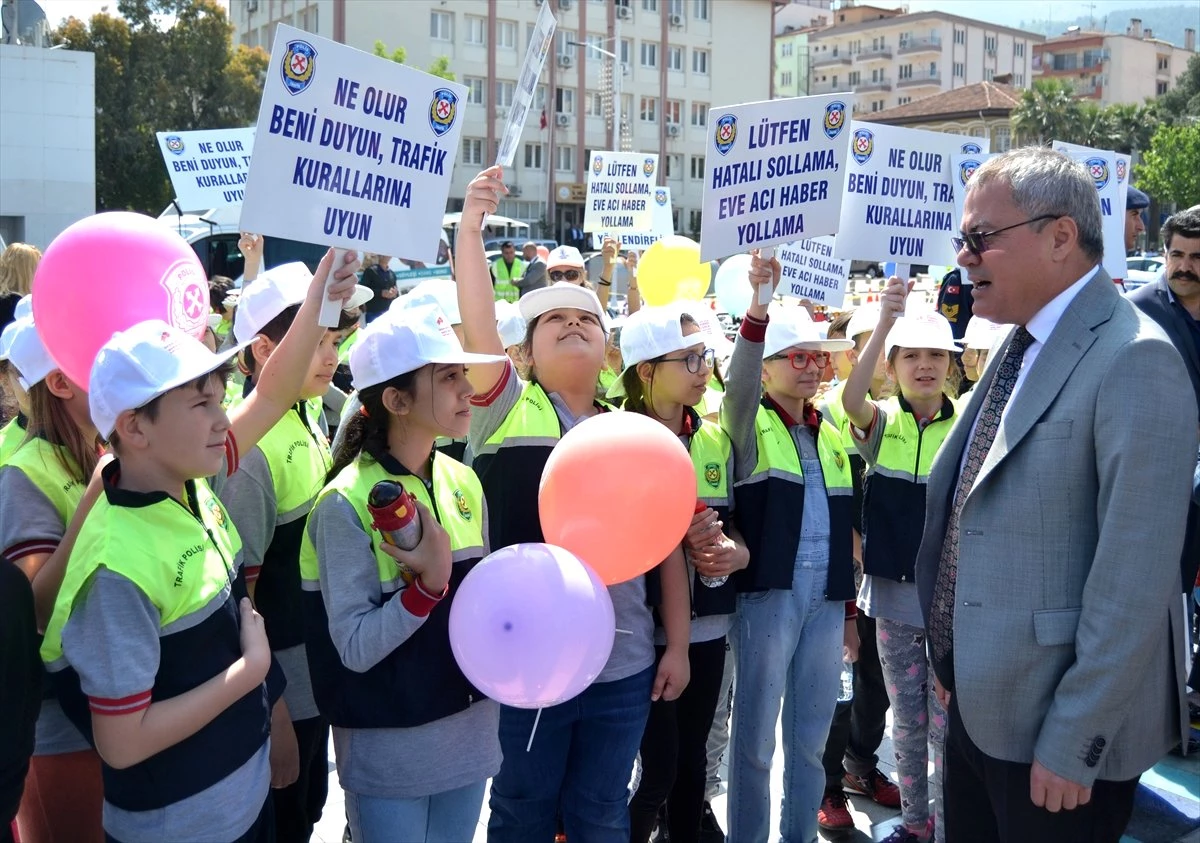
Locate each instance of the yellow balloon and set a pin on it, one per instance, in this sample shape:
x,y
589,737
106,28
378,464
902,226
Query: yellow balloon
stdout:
x,y
671,270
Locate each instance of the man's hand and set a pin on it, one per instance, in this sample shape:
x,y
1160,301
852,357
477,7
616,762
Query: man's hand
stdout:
x,y
1054,793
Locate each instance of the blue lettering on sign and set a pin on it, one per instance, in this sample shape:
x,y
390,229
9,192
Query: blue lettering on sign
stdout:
x,y
292,123
350,225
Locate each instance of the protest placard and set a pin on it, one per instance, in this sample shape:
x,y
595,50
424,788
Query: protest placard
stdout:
x,y
899,203
774,173
540,40
208,167
620,193
664,224
352,150
1102,167
810,271
963,166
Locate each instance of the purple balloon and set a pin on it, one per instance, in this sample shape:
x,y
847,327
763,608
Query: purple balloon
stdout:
x,y
532,626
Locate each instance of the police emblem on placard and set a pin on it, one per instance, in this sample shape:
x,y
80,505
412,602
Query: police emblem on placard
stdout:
x,y
648,166
966,169
597,164
464,508
174,144
835,118
862,145
442,111
1098,169
660,196
299,66
187,296
712,474
972,149
1122,168
725,133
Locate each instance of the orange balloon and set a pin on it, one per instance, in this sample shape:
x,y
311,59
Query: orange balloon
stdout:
x,y
543,253
618,491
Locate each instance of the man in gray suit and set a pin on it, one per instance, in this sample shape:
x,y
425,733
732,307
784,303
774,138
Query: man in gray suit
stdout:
x,y
1055,519
535,270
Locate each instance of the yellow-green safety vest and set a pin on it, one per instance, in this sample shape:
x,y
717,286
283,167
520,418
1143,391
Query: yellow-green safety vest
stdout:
x,y
11,437
505,287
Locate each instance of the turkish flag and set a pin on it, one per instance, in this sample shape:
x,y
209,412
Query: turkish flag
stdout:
x,y
544,124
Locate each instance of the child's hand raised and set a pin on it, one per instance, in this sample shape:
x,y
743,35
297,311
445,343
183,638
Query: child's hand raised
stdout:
x,y
893,300
345,277
764,272
483,197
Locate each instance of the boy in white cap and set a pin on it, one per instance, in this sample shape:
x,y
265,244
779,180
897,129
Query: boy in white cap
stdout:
x,y
977,343
147,623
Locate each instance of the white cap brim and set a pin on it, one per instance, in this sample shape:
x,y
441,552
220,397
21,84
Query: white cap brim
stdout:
x,y
359,297
562,295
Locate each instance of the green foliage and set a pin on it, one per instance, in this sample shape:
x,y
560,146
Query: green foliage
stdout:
x,y
1050,111
398,55
1182,102
1169,170
439,68
151,78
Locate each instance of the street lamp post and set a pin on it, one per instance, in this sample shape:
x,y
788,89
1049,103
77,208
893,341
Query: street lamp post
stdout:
x,y
616,83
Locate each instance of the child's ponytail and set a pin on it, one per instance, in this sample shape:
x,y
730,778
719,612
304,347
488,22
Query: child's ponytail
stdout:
x,y
367,430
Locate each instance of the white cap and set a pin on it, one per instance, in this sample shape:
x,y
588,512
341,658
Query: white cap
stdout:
x,y
788,328
928,330
982,334
437,291
863,321
24,307
509,323
402,341
139,364
649,333
22,346
557,296
273,292
564,256
714,334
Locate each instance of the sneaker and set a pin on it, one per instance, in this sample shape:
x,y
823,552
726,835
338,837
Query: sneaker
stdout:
x,y
875,786
710,829
834,814
901,834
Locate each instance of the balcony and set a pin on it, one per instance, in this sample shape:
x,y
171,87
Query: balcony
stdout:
x,y
831,88
874,54
920,45
921,80
831,60
881,84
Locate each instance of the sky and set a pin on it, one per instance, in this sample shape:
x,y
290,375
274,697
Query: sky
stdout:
x,y
1007,13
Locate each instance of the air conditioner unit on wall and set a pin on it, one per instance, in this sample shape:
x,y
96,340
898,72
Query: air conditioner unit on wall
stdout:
x,y
514,190
672,130
562,119
565,61
251,5
676,20
624,12
564,4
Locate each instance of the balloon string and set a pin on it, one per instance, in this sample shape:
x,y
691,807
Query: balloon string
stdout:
x,y
625,631
536,719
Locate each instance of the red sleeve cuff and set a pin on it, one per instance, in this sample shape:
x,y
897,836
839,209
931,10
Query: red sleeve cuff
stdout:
x,y
754,330
252,572
30,548
117,707
485,399
419,601
231,454
851,610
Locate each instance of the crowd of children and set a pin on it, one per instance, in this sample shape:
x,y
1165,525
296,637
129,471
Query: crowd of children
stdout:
x,y
216,601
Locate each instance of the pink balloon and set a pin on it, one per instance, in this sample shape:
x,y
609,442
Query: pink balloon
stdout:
x,y
108,272
531,626
543,253
618,491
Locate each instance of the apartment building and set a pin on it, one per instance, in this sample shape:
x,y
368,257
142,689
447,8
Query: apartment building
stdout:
x,y
1113,67
889,57
658,64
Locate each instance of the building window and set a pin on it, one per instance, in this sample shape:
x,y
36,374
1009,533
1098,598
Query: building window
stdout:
x,y
833,80
1002,139
876,105
905,71
988,74
960,36
649,5
476,30
474,89
700,9
539,96
675,58
648,109
1160,88
989,43
785,50
673,164
698,166
441,26
649,54
905,100
566,159
504,93
785,79
877,75
565,47
673,112
564,100
1020,77
694,220
626,51
933,71
533,156
595,105
1163,62
472,151
700,62
700,114
675,7
506,34
852,79
1019,49
959,70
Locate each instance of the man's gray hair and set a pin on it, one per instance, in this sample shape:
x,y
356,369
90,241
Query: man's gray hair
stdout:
x,y
1043,181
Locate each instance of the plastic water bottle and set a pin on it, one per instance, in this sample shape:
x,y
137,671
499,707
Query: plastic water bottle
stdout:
x,y
395,516
846,692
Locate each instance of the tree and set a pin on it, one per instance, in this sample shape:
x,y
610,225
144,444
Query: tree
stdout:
x,y
1133,126
1169,170
439,68
1048,111
152,78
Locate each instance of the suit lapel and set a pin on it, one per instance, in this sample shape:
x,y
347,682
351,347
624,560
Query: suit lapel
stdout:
x,y
1058,357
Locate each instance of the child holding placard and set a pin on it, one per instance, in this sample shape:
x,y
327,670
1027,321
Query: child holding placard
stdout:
x,y
898,438
415,742
793,494
172,667
667,368
584,748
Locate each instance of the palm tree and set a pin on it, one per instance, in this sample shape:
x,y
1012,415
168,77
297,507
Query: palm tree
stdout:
x,y
1048,111
1094,127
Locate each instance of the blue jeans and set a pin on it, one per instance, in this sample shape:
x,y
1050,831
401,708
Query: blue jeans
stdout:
x,y
580,763
448,817
787,645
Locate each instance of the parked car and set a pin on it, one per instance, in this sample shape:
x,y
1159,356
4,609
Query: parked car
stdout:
x,y
1144,263
494,243
871,269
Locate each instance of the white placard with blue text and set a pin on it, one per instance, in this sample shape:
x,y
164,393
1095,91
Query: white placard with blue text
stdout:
x,y
663,225
963,166
208,168
1109,175
620,193
352,150
773,172
810,271
899,203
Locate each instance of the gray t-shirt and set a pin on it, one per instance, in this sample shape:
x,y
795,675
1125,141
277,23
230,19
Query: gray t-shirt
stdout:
x,y
446,754
112,642
633,647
